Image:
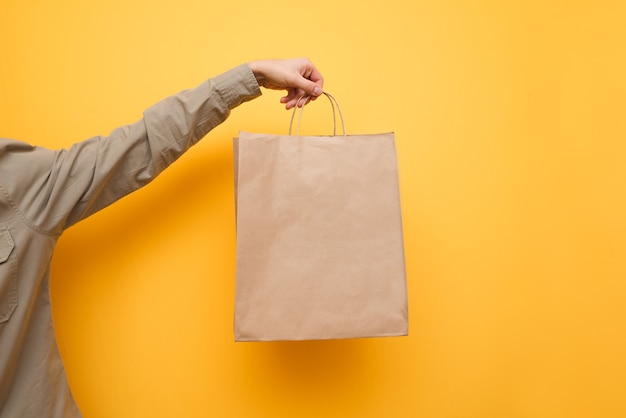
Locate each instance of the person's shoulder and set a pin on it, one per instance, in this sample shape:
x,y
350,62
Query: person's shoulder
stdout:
x,y
14,145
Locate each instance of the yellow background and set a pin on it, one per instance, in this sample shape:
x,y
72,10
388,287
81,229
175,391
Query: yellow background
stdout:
x,y
510,124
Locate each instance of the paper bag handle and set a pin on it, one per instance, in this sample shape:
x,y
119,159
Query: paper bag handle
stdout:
x,y
333,103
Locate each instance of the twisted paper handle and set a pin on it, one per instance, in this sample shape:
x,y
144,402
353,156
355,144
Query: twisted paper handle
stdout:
x,y
333,103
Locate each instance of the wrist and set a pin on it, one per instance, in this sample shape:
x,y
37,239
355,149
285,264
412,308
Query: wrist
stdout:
x,y
258,73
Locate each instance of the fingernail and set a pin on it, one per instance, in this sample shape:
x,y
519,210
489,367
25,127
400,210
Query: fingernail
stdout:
x,y
317,91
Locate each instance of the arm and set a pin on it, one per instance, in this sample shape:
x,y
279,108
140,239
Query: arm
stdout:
x,y
55,189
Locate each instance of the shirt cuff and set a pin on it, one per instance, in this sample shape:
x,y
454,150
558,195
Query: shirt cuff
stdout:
x,y
237,86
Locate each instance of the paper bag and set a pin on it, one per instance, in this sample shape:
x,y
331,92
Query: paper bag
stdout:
x,y
319,238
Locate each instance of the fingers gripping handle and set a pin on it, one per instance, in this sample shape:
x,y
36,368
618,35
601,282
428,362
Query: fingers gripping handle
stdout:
x,y
333,103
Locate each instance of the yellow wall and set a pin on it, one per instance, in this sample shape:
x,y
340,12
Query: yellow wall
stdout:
x,y
510,119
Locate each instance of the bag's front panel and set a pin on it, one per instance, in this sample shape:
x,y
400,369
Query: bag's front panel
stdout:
x,y
319,238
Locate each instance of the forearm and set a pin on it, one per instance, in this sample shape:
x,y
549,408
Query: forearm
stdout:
x,y
169,129
178,122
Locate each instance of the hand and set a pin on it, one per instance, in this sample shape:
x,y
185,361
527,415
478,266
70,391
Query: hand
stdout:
x,y
298,76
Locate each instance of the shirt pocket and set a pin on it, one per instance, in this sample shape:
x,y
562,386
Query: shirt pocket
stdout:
x,y
8,275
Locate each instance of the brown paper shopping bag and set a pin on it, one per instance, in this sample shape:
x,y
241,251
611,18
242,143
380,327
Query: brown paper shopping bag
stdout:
x,y
319,237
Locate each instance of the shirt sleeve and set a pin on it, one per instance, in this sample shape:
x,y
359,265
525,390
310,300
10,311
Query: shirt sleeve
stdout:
x,y
55,189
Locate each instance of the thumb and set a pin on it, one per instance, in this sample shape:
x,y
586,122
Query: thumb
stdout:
x,y
311,88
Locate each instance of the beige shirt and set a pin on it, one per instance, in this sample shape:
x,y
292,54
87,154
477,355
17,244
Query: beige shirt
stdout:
x,y
43,192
